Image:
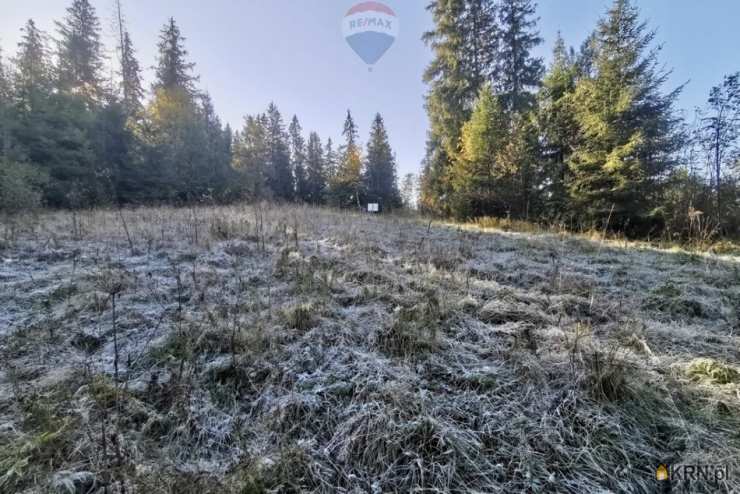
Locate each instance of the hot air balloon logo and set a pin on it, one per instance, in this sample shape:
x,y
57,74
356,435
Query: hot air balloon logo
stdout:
x,y
370,29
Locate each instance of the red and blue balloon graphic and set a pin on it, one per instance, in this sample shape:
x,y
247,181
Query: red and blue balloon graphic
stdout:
x,y
370,29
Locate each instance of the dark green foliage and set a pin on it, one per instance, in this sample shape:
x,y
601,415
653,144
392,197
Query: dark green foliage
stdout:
x,y
627,131
345,188
173,70
298,159
278,171
517,72
315,172
463,42
80,52
380,182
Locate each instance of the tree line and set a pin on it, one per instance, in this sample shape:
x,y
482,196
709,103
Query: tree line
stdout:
x,y
70,136
591,140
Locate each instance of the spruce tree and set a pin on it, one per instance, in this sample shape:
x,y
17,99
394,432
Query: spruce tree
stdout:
x,y
464,44
518,72
81,52
558,126
379,179
346,186
315,175
481,183
330,161
33,79
279,175
250,156
627,129
173,70
298,159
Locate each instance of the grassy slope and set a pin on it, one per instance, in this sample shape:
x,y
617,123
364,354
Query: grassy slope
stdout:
x,y
297,349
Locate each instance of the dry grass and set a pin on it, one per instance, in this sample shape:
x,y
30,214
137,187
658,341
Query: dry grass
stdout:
x,y
263,348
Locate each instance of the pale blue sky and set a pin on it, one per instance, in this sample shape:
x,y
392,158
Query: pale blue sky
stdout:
x,y
251,52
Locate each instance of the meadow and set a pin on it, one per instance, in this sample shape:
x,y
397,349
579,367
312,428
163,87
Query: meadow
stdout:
x,y
265,348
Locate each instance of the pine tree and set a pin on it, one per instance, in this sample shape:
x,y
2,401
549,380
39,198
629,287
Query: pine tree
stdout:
x,y
173,70
80,52
218,157
33,78
132,89
558,126
298,159
481,183
627,130
330,162
279,175
379,180
315,175
347,183
130,71
250,156
464,44
518,73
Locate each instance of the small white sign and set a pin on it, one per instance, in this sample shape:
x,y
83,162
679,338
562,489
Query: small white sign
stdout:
x,y
373,207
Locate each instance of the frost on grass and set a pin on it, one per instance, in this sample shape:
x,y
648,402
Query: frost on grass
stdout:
x,y
281,349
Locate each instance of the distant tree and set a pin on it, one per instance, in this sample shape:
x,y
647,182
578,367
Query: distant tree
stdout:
x,y
315,173
518,72
173,70
33,79
130,72
251,153
80,52
346,188
218,149
720,133
298,159
627,129
330,161
408,191
279,175
379,179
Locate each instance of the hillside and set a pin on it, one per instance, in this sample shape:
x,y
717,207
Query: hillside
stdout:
x,y
295,349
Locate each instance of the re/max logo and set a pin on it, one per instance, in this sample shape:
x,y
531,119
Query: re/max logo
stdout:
x,y
371,22
694,473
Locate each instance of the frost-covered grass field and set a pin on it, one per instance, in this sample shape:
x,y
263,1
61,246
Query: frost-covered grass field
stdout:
x,y
261,348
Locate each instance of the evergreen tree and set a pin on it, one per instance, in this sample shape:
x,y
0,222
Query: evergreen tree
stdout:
x,y
315,175
279,174
558,126
173,70
481,182
217,150
131,86
517,71
298,159
80,52
33,79
330,162
250,156
347,183
379,180
464,44
627,137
